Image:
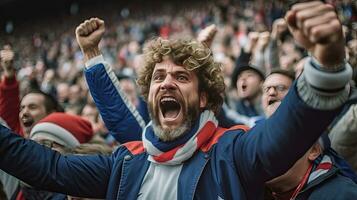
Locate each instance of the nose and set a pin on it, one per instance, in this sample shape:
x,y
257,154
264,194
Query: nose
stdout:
x,y
272,91
24,110
168,83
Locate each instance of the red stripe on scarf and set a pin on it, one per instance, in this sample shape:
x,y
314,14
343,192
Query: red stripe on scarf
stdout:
x,y
219,132
135,147
202,137
325,165
206,133
167,155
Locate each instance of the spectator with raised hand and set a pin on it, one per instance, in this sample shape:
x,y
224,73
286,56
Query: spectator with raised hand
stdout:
x,y
183,149
260,52
207,34
228,117
9,91
247,80
21,116
278,28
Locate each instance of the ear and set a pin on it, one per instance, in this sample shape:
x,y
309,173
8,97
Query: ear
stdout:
x,y
203,100
314,152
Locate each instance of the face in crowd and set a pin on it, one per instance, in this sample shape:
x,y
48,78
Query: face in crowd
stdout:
x,y
174,98
128,86
249,85
179,79
32,110
33,107
274,89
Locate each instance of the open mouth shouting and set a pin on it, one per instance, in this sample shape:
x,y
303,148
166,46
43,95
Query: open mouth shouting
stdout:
x,y
273,101
244,87
27,123
271,106
170,111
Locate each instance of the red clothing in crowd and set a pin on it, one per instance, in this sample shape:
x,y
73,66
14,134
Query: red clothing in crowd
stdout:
x,y
10,103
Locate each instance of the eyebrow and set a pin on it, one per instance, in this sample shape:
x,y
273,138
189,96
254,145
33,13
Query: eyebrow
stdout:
x,y
31,104
179,71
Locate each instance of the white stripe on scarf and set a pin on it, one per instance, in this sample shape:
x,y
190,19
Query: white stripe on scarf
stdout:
x,y
187,150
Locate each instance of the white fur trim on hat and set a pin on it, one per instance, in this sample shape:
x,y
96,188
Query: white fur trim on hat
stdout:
x,y
55,133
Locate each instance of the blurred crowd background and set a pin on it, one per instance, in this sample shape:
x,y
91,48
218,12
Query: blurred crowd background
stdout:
x,y
47,56
39,38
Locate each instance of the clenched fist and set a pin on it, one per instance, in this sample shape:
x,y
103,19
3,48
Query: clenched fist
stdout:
x,y
279,26
207,35
89,33
316,27
7,59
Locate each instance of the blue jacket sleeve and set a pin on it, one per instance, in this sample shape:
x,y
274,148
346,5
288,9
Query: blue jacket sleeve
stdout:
x,y
119,115
274,145
43,168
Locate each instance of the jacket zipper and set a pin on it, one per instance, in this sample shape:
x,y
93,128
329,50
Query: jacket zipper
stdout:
x,y
200,174
121,178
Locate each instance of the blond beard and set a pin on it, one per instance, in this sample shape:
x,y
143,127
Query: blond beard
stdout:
x,y
168,135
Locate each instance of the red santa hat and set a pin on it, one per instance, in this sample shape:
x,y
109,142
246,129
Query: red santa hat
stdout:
x,y
65,129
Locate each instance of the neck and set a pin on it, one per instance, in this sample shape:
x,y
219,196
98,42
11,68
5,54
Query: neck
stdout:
x,y
254,99
287,181
283,196
284,186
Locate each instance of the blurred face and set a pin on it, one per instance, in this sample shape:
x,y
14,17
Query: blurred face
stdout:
x,y
74,93
90,113
50,144
293,176
275,88
62,92
32,110
129,89
248,85
174,99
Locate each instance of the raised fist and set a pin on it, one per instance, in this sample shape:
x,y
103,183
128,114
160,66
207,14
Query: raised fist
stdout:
x,y
89,33
252,41
279,26
207,35
263,40
316,27
7,57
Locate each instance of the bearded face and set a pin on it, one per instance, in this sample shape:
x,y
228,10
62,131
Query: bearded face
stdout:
x,y
174,100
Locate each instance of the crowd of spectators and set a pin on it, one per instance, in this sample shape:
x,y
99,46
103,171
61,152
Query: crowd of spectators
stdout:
x,y
47,56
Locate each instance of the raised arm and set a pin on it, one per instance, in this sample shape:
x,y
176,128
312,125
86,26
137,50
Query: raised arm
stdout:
x,y
120,116
311,104
278,28
9,91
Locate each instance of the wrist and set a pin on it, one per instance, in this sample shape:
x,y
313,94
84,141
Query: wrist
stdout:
x,y
9,73
90,53
325,79
329,68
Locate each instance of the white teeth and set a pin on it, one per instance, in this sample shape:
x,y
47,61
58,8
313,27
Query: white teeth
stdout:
x,y
168,99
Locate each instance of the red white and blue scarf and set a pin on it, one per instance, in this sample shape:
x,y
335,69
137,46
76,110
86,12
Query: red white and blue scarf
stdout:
x,y
322,168
314,171
178,151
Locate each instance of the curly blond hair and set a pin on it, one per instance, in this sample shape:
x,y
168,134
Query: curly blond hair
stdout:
x,y
193,56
